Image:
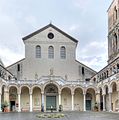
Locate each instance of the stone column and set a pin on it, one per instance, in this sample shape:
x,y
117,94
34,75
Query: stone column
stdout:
x,y
42,102
98,100
0,102
6,96
104,102
72,101
59,98
84,102
110,102
42,98
118,100
19,102
31,105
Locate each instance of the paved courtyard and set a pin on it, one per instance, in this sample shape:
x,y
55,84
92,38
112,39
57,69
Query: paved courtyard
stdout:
x,y
68,116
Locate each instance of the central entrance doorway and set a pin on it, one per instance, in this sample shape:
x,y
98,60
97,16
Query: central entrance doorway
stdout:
x,y
50,101
51,92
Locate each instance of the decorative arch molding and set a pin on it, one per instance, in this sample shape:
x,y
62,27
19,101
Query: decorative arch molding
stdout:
x,y
3,84
78,87
104,88
13,86
91,87
111,85
35,86
51,82
24,86
66,86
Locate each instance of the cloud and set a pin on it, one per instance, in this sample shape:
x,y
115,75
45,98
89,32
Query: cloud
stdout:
x,y
73,28
11,45
82,4
94,55
8,56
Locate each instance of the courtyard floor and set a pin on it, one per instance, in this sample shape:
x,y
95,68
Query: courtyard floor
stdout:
x,y
68,116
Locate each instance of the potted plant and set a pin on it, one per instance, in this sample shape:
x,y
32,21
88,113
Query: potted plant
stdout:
x,y
96,107
4,106
60,108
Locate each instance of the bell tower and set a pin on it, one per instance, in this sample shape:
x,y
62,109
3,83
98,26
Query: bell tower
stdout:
x,y
113,31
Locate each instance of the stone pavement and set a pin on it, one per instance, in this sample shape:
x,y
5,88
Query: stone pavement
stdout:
x,y
68,116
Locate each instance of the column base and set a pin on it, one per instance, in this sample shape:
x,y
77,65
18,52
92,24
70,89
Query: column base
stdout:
x,y
104,110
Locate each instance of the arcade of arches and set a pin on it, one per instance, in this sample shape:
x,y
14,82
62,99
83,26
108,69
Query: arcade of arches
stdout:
x,y
27,98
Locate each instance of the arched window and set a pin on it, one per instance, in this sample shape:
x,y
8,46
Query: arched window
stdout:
x,y
62,52
51,52
38,51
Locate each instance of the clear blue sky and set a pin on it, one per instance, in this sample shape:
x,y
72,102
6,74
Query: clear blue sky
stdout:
x,y
85,20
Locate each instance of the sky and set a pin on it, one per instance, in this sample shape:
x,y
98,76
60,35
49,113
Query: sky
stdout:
x,y
85,20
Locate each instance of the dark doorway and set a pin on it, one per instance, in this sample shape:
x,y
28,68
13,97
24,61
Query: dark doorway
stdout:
x,y
50,101
88,104
12,105
101,106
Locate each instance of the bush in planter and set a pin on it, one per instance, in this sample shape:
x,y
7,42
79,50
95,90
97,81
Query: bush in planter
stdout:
x,y
96,107
4,106
60,108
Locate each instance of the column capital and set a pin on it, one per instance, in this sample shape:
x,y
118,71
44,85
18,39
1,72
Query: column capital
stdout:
x,y
42,92
109,92
84,93
30,91
103,94
72,93
19,93
59,91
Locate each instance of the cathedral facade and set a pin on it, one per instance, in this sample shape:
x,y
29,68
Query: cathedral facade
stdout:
x,y
50,76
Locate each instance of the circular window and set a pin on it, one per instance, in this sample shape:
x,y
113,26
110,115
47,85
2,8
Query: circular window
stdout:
x,y
50,35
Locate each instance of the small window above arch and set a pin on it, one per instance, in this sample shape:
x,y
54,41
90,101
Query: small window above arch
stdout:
x,y
51,52
63,52
38,51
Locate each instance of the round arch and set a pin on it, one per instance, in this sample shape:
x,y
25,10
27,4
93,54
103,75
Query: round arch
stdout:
x,y
90,97
78,87
13,86
66,97
113,86
106,89
23,87
25,97
66,87
35,86
47,83
91,87
78,98
51,95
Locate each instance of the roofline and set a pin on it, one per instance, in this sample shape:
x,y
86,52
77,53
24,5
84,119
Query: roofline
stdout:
x,y
15,63
110,5
49,25
86,66
6,70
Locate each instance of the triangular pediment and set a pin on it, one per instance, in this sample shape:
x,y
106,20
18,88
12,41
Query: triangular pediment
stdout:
x,y
45,28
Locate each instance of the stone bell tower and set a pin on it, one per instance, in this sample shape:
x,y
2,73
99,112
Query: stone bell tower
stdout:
x,y
113,31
